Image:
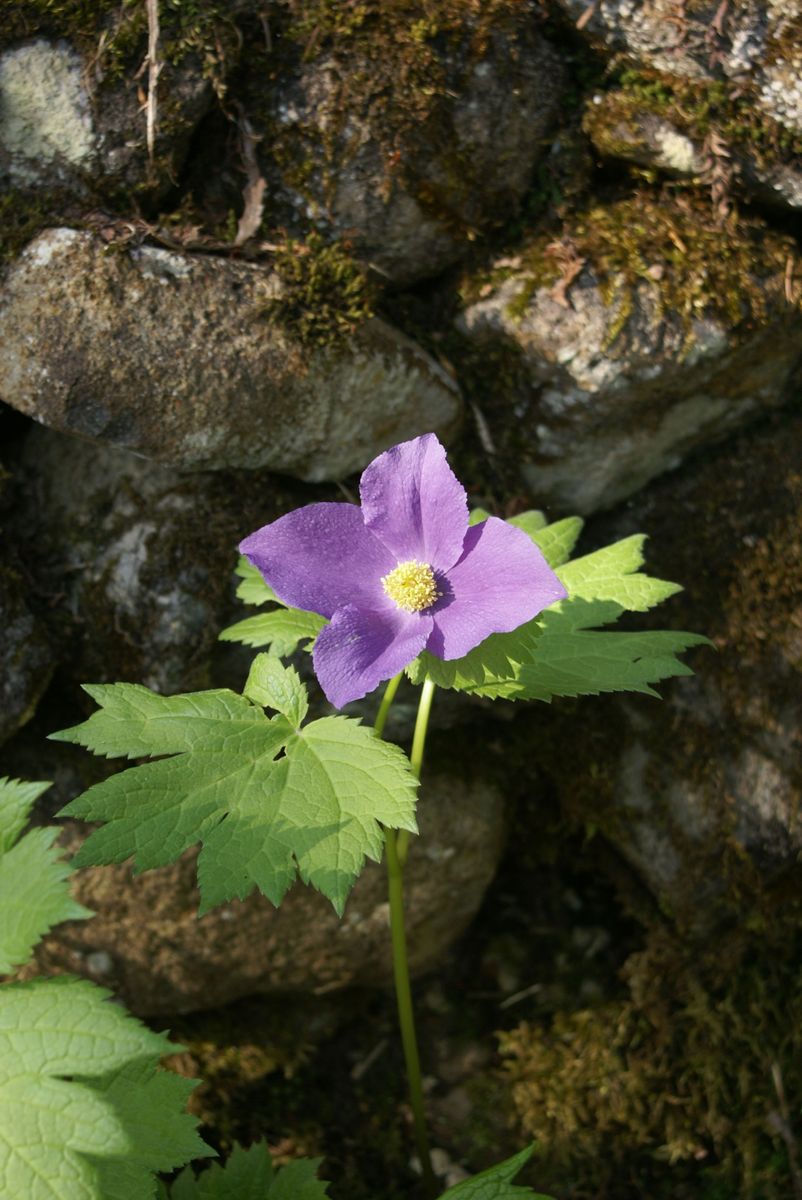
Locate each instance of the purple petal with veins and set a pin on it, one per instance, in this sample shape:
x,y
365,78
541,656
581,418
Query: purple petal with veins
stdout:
x,y
413,502
361,648
413,526
501,581
320,557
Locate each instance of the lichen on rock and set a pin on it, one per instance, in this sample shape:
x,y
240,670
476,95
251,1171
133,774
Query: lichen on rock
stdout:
x,y
644,327
45,116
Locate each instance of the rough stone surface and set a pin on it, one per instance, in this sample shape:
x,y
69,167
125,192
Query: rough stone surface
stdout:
x,y
147,942
174,356
754,43
702,793
613,388
60,129
137,558
619,128
26,659
46,131
410,199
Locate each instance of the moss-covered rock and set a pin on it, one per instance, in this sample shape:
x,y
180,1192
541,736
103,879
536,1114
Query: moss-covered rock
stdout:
x,y
406,129
684,1085
704,131
645,328
203,362
60,129
756,44
701,794
682,1088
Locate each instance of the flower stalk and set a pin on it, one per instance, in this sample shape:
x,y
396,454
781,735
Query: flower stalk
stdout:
x,y
396,852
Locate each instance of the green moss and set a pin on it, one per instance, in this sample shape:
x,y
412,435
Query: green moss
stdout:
x,y
22,216
702,266
698,108
79,20
326,294
397,73
109,32
396,68
113,33
680,1074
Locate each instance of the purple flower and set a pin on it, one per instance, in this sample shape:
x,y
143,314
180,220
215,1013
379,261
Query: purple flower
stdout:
x,y
401,574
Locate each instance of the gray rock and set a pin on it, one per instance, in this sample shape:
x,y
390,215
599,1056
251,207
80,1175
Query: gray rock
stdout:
x,y
410,193
26,658
46,127
702,793
622,128
756,44
60,128
612,386
138,557
176,357
147,942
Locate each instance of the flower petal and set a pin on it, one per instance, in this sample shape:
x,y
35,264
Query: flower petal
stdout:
x,y
362,647
320,557
501,581
414,503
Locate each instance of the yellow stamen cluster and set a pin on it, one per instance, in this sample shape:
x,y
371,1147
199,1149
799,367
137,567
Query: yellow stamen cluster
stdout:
x,y
412,586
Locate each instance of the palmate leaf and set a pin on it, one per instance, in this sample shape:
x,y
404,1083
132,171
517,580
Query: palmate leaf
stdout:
x,y
268,801
85,1112
271,684
282,629
34,894
496,1183
253,588
562,652
249,1175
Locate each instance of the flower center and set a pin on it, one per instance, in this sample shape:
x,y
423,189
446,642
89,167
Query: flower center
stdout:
x,y
412,586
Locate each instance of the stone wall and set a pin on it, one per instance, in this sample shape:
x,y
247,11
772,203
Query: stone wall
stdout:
x,y
562,236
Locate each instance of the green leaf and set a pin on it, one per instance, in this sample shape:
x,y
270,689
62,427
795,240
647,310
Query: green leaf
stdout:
x,y
576,662
272,685
607,574
17,798
557,540
249,1175
496,1183
253,589
282,629
493,659
532,521
34,895
84,1110
134,722
477,515
561,652
263,817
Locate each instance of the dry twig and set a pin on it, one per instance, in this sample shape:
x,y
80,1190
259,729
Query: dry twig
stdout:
x,y
154,70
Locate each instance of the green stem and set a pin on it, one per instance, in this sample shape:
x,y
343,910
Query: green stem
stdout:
x,y
396,852
416,754
406,1015
387,700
